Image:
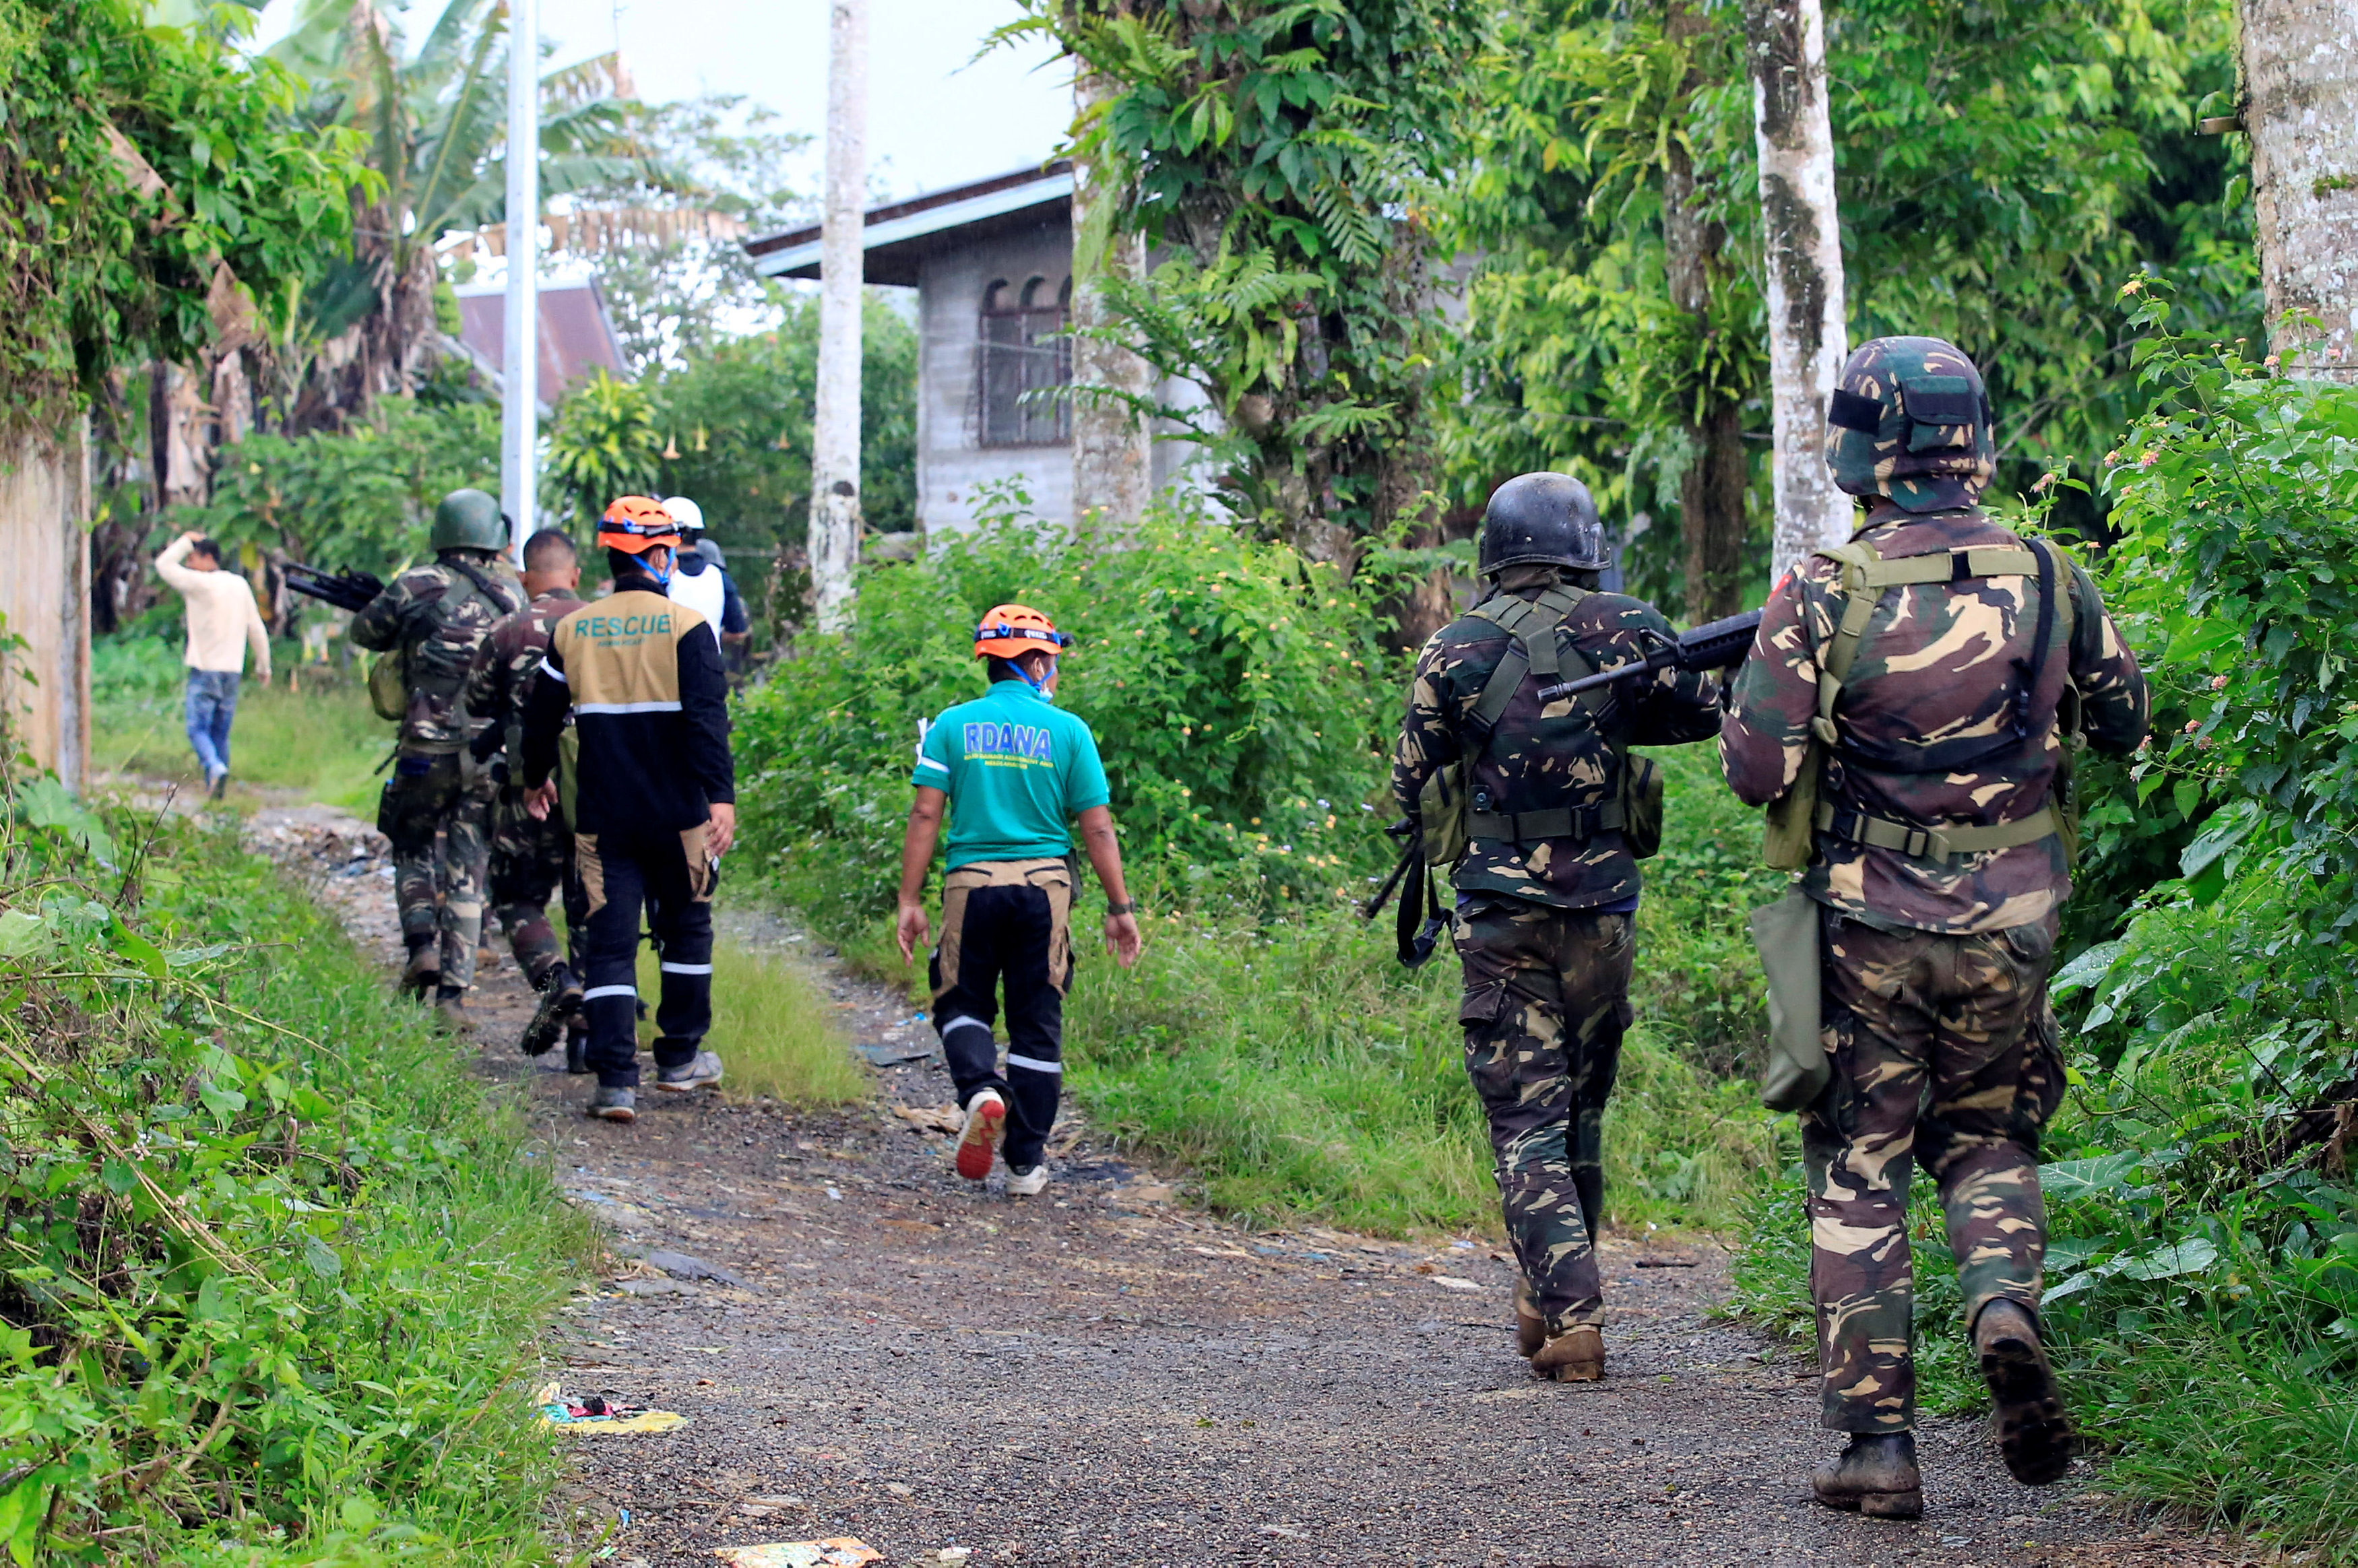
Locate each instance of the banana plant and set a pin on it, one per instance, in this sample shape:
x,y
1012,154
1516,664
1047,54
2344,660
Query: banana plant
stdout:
x,y
435,123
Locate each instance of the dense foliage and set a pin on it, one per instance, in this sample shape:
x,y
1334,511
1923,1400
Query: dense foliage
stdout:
x,y
1280,151
136,162
2000,169
359,499
270,1266
736,418
1236,689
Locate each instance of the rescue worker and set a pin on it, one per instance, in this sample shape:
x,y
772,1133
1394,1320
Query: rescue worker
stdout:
x,y
702,582
1910,695
436,615
1547,888
1013,769
532,856
654,801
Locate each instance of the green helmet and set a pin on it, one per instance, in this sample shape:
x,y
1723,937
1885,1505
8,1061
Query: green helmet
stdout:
x,y
1910,420
469,520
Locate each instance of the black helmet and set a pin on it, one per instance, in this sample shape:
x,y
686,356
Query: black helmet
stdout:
x,y
1544,519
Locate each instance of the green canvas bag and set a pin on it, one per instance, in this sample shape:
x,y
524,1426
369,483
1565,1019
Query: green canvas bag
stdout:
x,y
1786,934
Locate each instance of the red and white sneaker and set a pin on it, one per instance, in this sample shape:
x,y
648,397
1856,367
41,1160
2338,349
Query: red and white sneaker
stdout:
x,y
986,1119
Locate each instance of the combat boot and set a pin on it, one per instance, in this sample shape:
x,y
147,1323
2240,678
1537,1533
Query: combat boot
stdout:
x,y
1531,1325
451,1010
423,974
1875,1475
577,1046
560,1004
2034,1435
1575,1355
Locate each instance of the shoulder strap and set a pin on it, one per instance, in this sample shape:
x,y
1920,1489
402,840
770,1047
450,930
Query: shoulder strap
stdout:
x,y
1530,625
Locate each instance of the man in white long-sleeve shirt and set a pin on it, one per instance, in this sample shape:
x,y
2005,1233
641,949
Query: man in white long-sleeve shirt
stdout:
x,y
223,623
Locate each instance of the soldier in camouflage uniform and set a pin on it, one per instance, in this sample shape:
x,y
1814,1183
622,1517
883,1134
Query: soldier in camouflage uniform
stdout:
x,y
1925,679
436,615
1547,890
532,856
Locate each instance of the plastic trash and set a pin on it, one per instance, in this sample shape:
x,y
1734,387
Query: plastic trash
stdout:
x,y
891,1055
1452,1282
592,1416
841,1551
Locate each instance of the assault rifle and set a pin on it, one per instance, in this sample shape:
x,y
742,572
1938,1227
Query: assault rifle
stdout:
x,y
345,590
1715,646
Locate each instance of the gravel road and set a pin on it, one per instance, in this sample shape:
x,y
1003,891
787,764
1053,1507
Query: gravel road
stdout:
x,y
1103,1377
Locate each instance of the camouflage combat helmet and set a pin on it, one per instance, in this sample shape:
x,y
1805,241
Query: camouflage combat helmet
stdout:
x,y
1910,420
469,520
1542,518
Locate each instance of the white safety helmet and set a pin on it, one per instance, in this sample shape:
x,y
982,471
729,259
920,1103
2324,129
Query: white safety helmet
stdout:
x,y
686,513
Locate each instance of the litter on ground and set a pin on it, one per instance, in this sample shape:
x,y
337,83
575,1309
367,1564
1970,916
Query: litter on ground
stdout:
x,y
931,1117
593,1416
842,1551
891,1055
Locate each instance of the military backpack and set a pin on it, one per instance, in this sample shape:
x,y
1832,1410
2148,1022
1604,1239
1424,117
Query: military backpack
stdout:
x,y
1452,813
1797,816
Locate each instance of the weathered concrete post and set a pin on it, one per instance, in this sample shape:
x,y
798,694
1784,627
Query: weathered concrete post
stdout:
x,y
835,443
45,595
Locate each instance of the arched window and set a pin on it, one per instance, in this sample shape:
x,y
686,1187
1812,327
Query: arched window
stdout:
x,y
1021,356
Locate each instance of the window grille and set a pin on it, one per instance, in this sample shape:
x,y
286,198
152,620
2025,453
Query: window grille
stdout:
x,y
1022,349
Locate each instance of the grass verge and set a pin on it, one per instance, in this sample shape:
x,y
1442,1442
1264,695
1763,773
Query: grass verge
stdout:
x,y
1297,1070
275,1262
772,1026
312,732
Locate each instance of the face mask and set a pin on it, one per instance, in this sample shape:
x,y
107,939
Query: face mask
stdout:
x,y
1040,685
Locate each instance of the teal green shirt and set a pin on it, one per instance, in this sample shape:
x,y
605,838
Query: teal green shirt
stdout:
x,y
1017,768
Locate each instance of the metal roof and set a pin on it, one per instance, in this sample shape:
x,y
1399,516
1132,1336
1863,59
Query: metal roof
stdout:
x,y
576,336
898,234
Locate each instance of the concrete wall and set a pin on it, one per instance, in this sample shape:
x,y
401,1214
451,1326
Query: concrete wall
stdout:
x,y
45,594
951,459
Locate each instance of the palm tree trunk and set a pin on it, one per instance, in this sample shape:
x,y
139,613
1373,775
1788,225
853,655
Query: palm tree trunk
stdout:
x,y
835,444
2300,105
1801,244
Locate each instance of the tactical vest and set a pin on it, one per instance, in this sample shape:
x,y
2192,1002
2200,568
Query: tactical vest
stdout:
x,y
1454,812
1799,815
435,660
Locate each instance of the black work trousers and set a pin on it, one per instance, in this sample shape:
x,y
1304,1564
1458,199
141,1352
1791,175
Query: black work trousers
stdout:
x,y
1004,924
672,876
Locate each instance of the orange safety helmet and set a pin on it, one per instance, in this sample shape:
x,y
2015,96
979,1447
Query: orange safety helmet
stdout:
x,y
1008,630
637,524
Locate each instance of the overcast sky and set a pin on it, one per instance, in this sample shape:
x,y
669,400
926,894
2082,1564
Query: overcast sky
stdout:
x,y
932,118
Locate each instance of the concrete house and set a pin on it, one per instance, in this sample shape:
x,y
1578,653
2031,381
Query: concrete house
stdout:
x,y
993,266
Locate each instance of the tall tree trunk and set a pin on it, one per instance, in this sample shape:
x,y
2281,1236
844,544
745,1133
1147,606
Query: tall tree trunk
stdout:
x,y
1112,447
1710,493
2300,105
1801,242
835,442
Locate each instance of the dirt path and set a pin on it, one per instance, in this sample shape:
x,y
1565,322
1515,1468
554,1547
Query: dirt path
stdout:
x,y
1102,1377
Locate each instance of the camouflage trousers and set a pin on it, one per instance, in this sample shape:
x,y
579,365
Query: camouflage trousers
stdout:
x,y
1944,1050
530,860
435,809
1547,1001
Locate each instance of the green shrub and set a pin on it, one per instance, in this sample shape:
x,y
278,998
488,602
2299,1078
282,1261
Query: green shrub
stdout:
x,y
1239,698
271,1266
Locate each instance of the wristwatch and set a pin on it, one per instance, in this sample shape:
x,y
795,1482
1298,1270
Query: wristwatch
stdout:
x,y
1129,908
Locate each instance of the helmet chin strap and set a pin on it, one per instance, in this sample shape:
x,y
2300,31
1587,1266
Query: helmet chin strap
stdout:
x,y
1039,685
662,577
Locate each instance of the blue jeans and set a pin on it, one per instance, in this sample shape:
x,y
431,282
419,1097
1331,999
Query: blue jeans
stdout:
x,y
212,703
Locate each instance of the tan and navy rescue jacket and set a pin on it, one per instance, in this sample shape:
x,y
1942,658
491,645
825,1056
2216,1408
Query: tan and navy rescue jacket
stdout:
x,y
651,703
